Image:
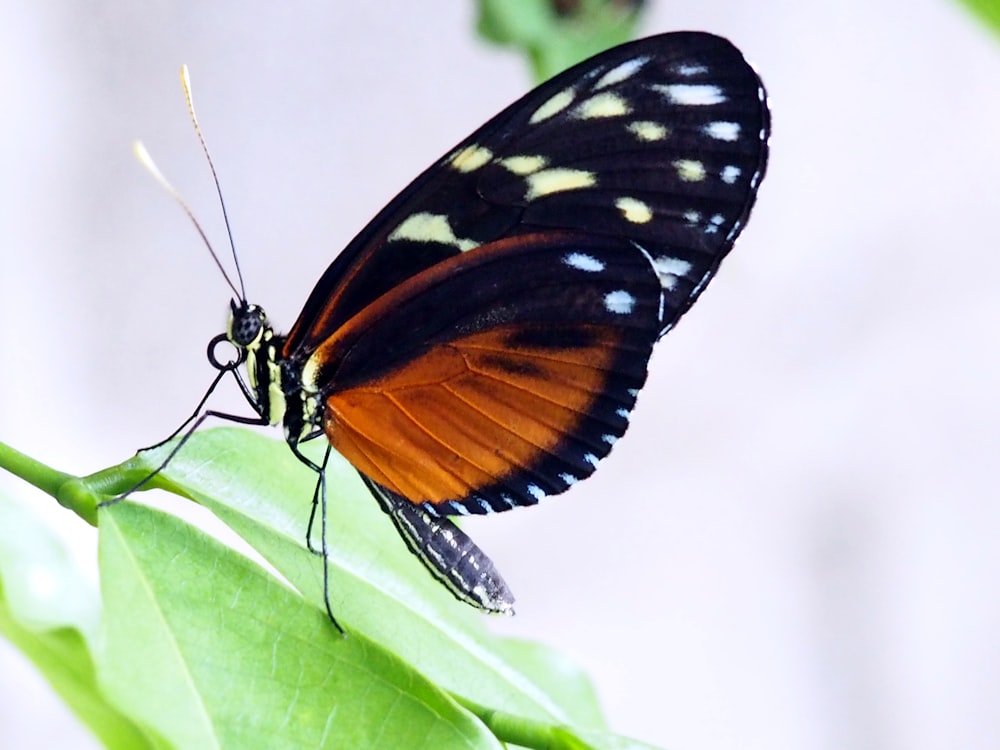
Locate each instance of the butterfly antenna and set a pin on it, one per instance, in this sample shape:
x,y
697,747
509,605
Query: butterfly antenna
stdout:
x,y
147,161
186,83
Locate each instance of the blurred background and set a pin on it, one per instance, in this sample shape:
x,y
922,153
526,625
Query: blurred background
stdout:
x,y
794,547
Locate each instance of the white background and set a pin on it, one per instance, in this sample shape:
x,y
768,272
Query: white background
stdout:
x,y
795,547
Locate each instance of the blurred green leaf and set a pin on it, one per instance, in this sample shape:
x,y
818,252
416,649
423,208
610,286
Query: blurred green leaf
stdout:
x,y
50,612
556,34
987,10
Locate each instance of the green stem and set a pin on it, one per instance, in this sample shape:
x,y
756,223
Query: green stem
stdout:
x,y
71,492
34,472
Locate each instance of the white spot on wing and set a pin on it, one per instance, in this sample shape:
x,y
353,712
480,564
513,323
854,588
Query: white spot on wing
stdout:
x,y
668,270
535,491
584,262
723,131
687,69
672,266
621,72
569,479
691,94
730,174
619,302
714,223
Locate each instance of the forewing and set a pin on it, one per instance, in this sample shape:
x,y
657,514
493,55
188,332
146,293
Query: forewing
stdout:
x,y
661,143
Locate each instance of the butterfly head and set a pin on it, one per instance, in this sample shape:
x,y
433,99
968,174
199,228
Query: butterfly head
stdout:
x,y
247,324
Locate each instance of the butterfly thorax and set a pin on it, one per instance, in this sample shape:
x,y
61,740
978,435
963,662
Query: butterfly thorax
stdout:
x,y
275,388
249,331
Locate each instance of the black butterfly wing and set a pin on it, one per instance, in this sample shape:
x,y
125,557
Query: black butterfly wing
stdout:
x,y
480,344
662,142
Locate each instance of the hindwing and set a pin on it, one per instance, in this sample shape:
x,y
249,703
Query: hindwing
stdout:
x,y
496,377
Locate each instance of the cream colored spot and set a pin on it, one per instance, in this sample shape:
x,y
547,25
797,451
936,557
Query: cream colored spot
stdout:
x,y
556,104
602,105
428,227
634,210
621,72
470,158
646,130
690,170
523,165
558,180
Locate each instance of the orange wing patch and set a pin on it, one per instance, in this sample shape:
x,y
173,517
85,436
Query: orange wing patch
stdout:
x,y
469,413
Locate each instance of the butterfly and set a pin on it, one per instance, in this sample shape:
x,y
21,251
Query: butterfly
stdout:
x,y
480,345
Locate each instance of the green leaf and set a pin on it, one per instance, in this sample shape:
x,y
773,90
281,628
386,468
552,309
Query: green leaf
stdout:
x,y
49,611
207,647
202,648
525,732
260,490
559,676
556,34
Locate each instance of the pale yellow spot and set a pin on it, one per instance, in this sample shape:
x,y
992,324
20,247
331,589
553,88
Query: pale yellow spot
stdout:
x,y
621,72
428,227
558,180
471,158
690,170
646,130
522,165
602,105
634,210
556,104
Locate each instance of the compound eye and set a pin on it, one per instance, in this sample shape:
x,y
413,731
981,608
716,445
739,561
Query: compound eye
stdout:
x,y
246,325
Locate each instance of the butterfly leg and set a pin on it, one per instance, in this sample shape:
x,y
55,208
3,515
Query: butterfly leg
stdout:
x,y
319,499
255,421
318,494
